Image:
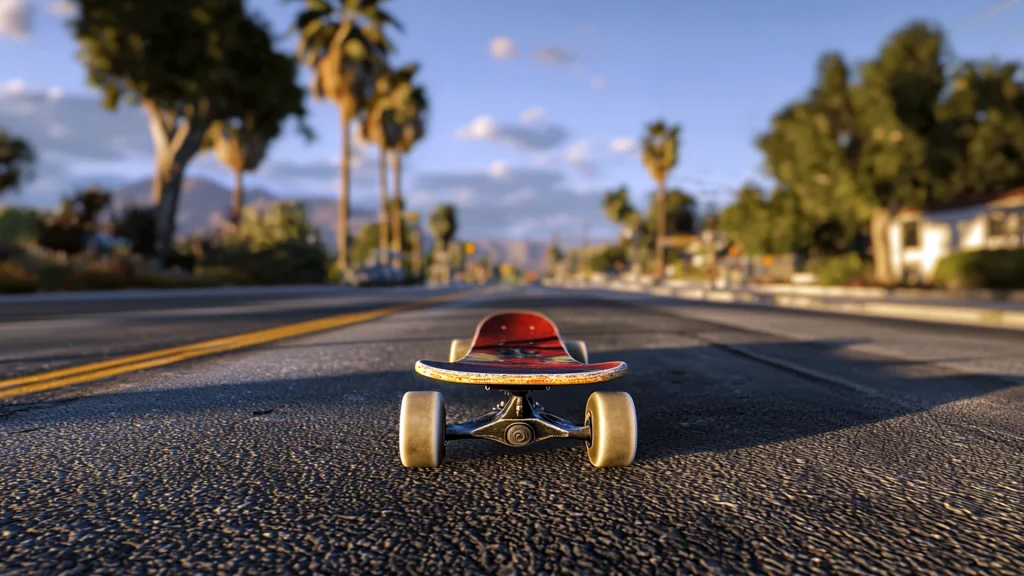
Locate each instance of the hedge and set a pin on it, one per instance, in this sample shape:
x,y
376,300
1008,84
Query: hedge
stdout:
x,y
994,269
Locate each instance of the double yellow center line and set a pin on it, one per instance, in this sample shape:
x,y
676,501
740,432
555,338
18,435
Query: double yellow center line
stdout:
x,y
108,368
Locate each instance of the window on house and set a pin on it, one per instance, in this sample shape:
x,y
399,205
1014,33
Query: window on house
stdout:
x,y
910,234
997,225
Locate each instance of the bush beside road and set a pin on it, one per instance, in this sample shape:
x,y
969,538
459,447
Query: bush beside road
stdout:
x,y
973,308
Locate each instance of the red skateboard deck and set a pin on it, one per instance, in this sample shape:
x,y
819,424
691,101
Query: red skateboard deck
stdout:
x,y
519,349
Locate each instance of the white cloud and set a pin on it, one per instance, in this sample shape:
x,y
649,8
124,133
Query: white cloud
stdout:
x,y
527,203
623,145
534,135
578,152
62,8
15,19
598,82
481,128
13,87
498,169
578,156
55,93
532,115
503,48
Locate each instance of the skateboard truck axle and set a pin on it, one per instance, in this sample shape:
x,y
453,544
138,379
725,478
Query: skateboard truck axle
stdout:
x,y
517,422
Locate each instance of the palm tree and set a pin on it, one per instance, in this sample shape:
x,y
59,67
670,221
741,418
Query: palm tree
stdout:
x,y
345,47
241,142
661,152
410,117
378,127
620,211
240,149
394,122
443,224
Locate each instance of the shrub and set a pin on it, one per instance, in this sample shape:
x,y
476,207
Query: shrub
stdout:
x,y
838,270
139,226
996,269
15,278
19,226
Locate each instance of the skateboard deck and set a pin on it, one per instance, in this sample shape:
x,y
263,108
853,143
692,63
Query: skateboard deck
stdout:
x,y
519,349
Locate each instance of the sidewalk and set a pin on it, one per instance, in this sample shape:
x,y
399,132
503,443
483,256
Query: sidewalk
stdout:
x,y
989,313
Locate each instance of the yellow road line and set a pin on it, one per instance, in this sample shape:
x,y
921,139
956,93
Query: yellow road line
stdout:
x,y
134,363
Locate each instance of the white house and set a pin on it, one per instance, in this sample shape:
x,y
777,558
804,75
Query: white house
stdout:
x,y
918,240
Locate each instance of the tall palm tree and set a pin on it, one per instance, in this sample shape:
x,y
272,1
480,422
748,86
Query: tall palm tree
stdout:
x,y
660,154
345,46
240,149
410,118
378,128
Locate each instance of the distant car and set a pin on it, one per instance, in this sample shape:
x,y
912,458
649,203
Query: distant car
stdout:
x,y
378,275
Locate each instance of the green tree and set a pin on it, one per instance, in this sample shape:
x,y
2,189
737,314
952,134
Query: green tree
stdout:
x,y
898,103
749,220
619,209
660,155
679,212
443,225
16,161
240,142
345,46
66,228
189,63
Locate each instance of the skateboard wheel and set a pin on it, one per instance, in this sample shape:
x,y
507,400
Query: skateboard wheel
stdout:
x,y
458,349
578,350
612,420
421,430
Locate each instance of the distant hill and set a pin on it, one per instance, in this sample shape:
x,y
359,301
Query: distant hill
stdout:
x,y
526,254
203,203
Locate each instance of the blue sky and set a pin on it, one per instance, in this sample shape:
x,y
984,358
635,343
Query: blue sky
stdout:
x,y
522,140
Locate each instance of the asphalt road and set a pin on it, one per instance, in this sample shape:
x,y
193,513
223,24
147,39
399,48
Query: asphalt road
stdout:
x,y
771,441
48,332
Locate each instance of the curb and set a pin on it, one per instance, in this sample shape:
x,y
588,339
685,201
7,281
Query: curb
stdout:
x,y
967,315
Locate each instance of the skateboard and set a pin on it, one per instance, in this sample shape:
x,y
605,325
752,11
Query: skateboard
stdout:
x,y
516,353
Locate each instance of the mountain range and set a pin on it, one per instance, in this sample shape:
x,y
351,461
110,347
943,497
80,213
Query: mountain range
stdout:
x,y
204,203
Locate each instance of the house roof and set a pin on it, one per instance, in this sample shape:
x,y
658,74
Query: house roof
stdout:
x,y
979,199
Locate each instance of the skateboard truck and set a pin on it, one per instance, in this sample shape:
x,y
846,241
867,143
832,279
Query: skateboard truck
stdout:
x,y
518,353
517,422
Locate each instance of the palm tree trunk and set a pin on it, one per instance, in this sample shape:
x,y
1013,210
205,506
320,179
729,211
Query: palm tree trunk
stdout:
x,y
416,261
382,216
659,237
397,229
237,196
343,200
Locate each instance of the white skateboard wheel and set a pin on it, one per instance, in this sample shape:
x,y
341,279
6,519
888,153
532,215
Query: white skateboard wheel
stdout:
x,y
612,420
421,430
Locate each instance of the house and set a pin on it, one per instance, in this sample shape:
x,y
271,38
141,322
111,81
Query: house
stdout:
x,y
918,239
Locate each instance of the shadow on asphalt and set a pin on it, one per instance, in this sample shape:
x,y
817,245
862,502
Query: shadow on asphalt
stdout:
x,y
689,400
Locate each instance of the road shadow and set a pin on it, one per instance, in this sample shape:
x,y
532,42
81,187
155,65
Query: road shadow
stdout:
x,y
689,400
